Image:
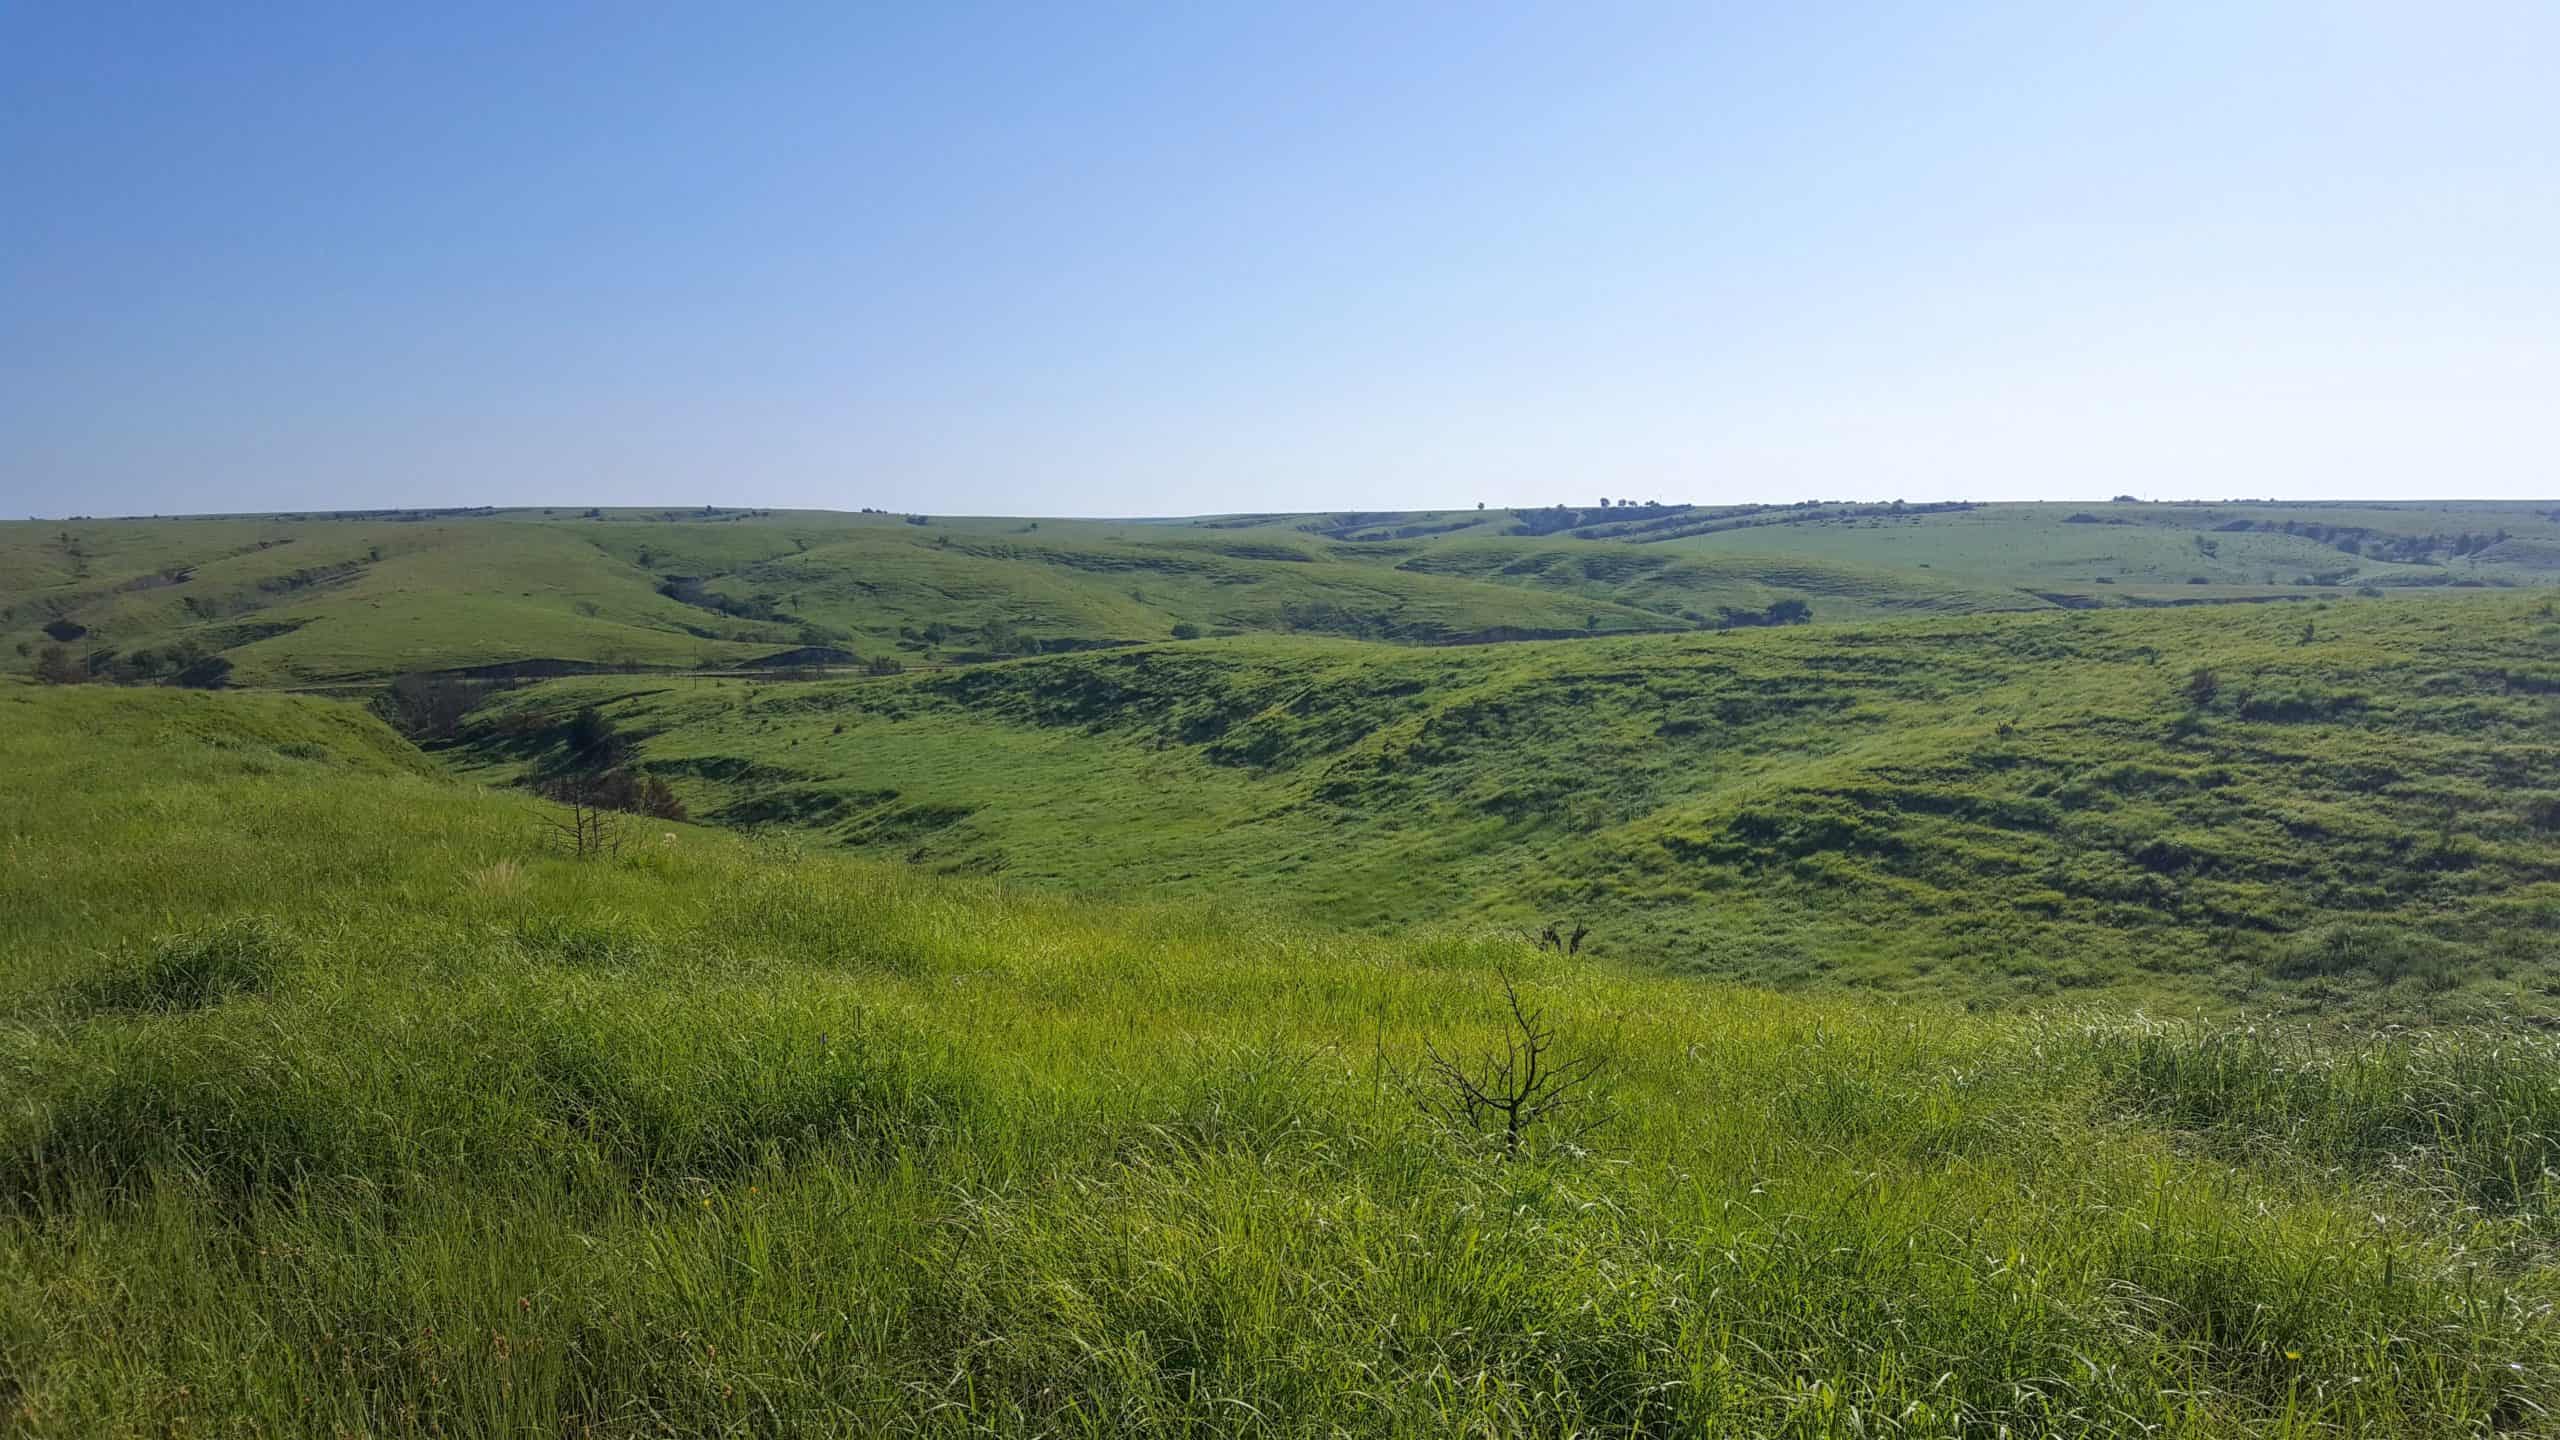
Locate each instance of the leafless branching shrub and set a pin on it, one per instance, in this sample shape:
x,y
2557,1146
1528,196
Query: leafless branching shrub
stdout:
x,y
587,829
1526,1085
1551,939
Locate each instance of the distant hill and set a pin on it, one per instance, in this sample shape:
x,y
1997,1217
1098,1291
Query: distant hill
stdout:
x,y
349,598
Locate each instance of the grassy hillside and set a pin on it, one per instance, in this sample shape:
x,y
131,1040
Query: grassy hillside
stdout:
x,y
882,589
332,1100
287,601
2357,811
300,601
2168,554
1704,589
333,599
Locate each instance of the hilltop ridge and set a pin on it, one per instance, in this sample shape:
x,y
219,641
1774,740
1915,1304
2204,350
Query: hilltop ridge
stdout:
x,y
360,596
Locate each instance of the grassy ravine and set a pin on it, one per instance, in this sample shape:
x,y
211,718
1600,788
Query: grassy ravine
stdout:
x,y
2363,816
334,1103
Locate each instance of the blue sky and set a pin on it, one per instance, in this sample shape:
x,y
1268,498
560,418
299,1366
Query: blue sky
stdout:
x,y
1098,259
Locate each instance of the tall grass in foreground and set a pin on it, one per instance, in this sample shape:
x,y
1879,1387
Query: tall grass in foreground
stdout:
x,y
716,1140
2472,1119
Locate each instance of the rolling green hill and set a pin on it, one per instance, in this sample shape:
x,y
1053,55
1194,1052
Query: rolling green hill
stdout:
x,y
316,600
291,600
2135,554
2007,792
2335,805
335,1097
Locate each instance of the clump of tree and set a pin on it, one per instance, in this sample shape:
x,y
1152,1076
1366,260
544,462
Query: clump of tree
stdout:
x,y
211,672
594,742
1547,521
1002,637
185,662
594,773
430,707
56,665
1789,611
630,792
688,590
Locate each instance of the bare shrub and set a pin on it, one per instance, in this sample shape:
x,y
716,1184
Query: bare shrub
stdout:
x,y
586,829
1524,1086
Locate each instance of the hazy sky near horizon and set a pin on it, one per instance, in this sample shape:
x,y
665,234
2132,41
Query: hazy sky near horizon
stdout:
x,y
1105,259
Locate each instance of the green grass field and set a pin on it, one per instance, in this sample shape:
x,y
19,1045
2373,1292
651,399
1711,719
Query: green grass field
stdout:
x,y
2096,978
314,600
339,1100
2361,815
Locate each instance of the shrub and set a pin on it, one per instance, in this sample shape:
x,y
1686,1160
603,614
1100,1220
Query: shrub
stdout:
x,y
2542,813
1002,637
1186,631
1525,1086
618,789
2296,705
1780,612
430,707
592,740
56,665
210,673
